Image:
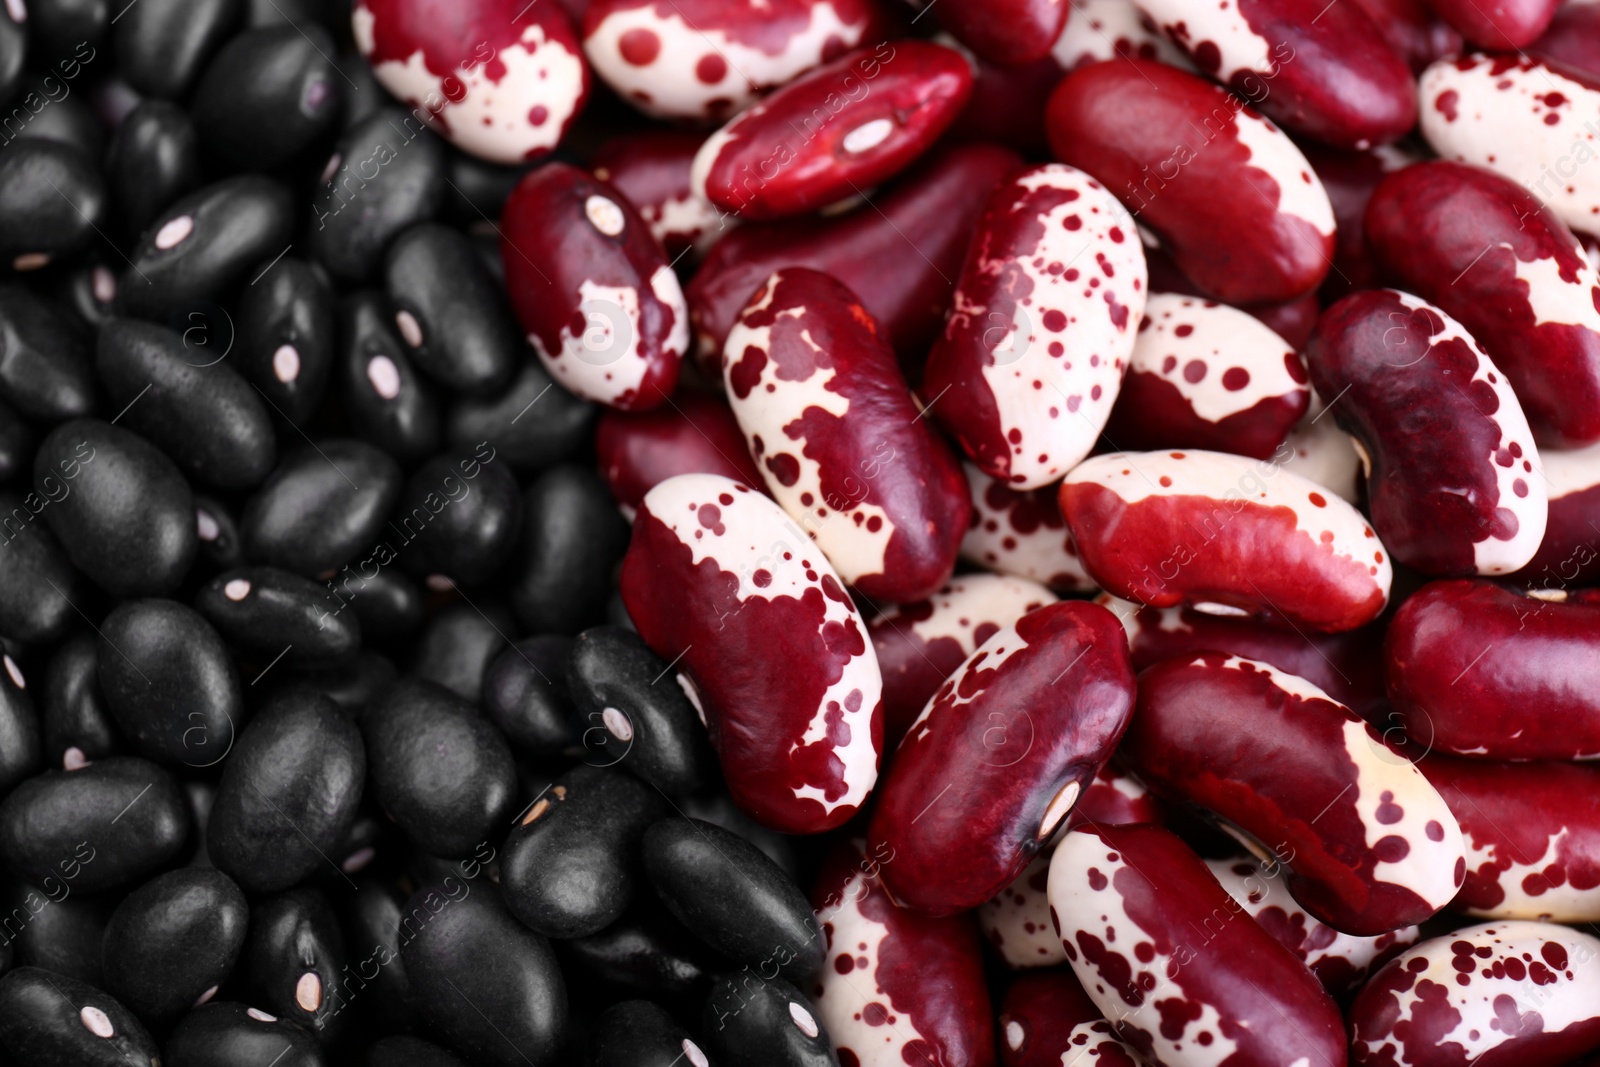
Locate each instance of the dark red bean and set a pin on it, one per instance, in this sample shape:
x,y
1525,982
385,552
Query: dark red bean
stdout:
x,y
1350,178
1413,30
651,168
1008,32
1569,555
1573,38
1504,27
1046,1018
694,434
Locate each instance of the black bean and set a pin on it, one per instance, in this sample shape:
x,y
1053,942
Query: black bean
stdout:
x,y
119,507
21,754
463,510
485,984
480,190
61,931
531,424
385,399
110,824
287,336
161,47
349,685
457,646
268,95
645,953
38,580
233,1035
62,28
274,613
719,808
751,1020
572,538
17,442
386,174
323,505
72,713
440,769
450,312
68,120
571,866
363,96
218,533
13,53
402,1051
525,693
388,603
173,941
294,960
169,683
631,711
51,200
199,796
50,1020
637,1033
374,982
196,408
46,360
289,793
153,159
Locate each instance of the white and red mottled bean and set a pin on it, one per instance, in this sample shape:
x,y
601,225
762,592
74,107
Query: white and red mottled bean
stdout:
x,y
1318,451
1021,532
1047,1020
1110,29
1569,555
651,169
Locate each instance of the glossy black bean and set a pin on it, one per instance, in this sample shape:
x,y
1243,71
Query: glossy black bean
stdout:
x,y
531,424
294,960
218,533
63,30
571,866
287,335
572,538
323,505
387,402
288,795
110,824
403,1051
186,400
13,52
162,47
374,984
441,770
450,311
197,249
750,1020
21,753
637,1033
632,713
268,95
39,582
480,190
274,613
525,693
232,1035
46,359
363,96
350,685
457,645
645,953
386,174
169,683
460,512
388,603
68,119
50,1020
62,930
17,442
51,199
717,807
74,723
485,984
617,613
153,159
173,941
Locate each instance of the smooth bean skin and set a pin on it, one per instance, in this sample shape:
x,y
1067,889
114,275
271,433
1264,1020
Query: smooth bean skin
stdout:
x,y
45,1021
1021,532
294,960
1414,30
763,1021
389,604
1506,26
1573,38
321,507
40,580
637,1033
63,937
532,422
174,940
40,224
1045,1017
464,511
1011,32
572,537
645,953
525,694
223,1034
1568,555
456,646
389,403
287,336
402,1051
46,362
72,713
468,342
161,50
21,753
268,95
695,434
153,159
651,168
17,441
272,612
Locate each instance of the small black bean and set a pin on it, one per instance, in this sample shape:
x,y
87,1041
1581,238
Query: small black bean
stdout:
x,y
350,685
403,1051
389,604
457,646
153,159
463,509
46,359
68,120
232,1035
275,613
323,505
374,981
387,402
751,1020
268,95
480,190
572,538
21,753
74,721
525,693
90,290
50,1020
162,47
59,931
51,199
62,28
531,424
294,960
39,582
287,336
645,953
637,1033
450,312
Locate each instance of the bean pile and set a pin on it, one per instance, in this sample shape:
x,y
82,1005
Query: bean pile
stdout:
x,y
832,533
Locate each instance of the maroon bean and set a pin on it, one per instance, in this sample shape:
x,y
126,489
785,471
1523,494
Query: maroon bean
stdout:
x,y
1033,353
1047,1020
1453,477
831,134
1573,38
693,433
839,440
593,289
1413,30
1021,532
1324,72
1178,150
1506,26
1569,555
1350,178
1007,32
1166,528
1183,974
1478,670
1022,727
651,169
1292,320
769,646
1007,103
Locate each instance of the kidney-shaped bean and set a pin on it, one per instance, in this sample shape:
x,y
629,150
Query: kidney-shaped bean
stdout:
x,y
1570,552
1045,316
769,646
651,168
1047,1019
1021,532
1000,755
1231,197
695,433
1572,38
1109,29
1164,528
1007,32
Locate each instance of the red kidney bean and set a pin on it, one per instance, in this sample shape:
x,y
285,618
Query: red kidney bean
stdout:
x,y
1478,670
1177,966
1502,992
1570,552
1022,533
1573,37
1350,178
831,134
1533,836
1339,961
1047,1020
1453,477
1008,32
1325,73
1413,30
722,583
929,213
1022,727
839,439
896,987
1522,284
693,433
1504,27
1033,353
1165,528
1291,320
1370,846
500,80
1522,118
1230,196
651,169
1319,451
706,59
611,324
1007,103
1205,375
1110,29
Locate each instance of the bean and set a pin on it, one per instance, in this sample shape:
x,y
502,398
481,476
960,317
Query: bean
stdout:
x,y
465,511
637,1033
268,95
1021,533
457,645
645,954
51,200
1011,32
75,724
20,748
448,312
39,579
389,403
46,364
152,161
695,434
525,694
1047,1016
286,337
652,169
1414,30
324,504
161,50
375,980
222,1033
217,532
60,933
388,604
752,1020
351,685
571,539
50,1019
400,1051
1567,555
534,423
294,960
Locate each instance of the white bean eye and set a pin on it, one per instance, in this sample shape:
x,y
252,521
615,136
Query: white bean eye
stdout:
x,y
16,673
73,759
384,376
104,284
803,1020
286,364
332,168
1014,1034
173,233
308,991
1059,806
617,724
260,1016
31,261
237,589
695,1056
206,526
605,215
868,135
410,328
18,12
97,1022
